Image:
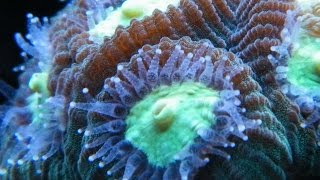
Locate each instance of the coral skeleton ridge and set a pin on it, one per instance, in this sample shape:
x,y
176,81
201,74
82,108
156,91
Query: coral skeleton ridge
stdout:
x,y
181,89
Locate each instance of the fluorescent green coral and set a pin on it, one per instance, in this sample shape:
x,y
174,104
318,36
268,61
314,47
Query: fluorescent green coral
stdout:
x,y
304,65
167,120
38,84
306,5
130,9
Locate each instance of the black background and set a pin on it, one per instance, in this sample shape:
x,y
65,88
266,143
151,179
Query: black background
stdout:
x,y
13,19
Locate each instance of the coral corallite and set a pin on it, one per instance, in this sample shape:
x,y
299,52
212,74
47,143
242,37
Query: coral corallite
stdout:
x,y
182,89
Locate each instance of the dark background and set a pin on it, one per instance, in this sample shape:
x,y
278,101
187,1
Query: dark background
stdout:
x,y
13,19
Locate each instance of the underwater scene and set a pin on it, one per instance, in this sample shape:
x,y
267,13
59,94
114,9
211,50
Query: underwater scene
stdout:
x,y
165,89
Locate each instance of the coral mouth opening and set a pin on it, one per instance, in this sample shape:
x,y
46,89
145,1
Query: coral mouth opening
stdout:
x,y
174,113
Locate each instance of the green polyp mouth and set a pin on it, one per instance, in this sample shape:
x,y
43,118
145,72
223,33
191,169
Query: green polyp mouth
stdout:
x,y
167,120
38,85
304,65
129,10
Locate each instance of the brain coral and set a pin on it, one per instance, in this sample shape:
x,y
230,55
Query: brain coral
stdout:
x,y
183,89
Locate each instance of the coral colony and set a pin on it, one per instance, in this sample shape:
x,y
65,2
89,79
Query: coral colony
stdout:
x,y
166,89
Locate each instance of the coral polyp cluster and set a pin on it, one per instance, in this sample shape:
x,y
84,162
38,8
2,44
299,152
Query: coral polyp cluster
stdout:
x,y
184,89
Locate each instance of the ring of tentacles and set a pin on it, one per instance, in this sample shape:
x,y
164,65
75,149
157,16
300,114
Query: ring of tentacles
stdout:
x,y
161,98
182,143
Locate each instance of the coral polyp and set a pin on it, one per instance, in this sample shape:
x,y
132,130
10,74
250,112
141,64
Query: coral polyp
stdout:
x,y
299,74
178,90
122,16
34,126
303,67
170,113
183,89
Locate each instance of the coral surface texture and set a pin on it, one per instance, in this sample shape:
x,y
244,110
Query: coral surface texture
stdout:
x,y
166,89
